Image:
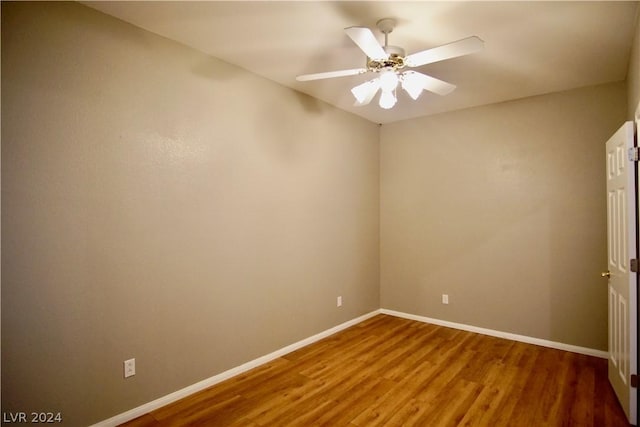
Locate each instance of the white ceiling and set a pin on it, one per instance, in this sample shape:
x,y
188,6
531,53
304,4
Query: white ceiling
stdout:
x,y
531,47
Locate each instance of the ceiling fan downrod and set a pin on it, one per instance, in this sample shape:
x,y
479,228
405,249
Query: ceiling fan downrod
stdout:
x,y
386,26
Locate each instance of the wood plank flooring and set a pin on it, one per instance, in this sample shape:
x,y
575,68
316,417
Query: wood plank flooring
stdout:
x,y
389,371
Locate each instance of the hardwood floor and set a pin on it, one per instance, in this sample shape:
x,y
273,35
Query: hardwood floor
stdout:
x,y
389,371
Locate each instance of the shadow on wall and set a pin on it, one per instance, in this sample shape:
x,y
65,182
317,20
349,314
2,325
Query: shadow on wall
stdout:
x,y
214,69
310,104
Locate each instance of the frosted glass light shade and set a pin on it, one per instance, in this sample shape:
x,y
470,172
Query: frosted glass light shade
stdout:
x,y
388,81
365,90
387,99
413,83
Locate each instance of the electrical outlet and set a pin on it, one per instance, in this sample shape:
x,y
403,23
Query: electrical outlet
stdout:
x,y
445,299
129,368
339,302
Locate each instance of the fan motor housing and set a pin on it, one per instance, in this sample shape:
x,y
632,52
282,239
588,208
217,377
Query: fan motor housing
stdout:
x,y
394,62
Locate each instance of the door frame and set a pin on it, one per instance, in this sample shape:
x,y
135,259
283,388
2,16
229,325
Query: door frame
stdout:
x,y
635,335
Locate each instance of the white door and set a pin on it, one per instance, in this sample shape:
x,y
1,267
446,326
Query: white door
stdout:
x,y
621,235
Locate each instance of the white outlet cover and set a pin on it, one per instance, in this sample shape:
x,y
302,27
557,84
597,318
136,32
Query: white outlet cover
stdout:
x,y
339,302
129,368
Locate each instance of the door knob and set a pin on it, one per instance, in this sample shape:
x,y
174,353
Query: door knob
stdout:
x,y
606,274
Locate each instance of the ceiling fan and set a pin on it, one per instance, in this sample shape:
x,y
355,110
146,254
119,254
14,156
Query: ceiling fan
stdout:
x,y
390,63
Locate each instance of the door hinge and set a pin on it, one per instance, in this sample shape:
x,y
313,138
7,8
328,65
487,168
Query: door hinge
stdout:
x,y
634,381
633,265
634,154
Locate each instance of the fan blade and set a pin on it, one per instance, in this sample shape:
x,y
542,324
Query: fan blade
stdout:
x,y
447,51
413,83
366,41
438,86
365,92
331,74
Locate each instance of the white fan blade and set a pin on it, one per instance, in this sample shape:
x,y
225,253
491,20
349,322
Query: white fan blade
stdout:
x,y
366,41
438,86
331,74
413,83
452,50
365,92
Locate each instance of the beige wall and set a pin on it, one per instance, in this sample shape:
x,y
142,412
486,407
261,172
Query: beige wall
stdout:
x,y
502,207
163,205
633,76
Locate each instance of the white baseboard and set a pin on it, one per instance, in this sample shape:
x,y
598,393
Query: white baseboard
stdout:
x,y
499,334
165,400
